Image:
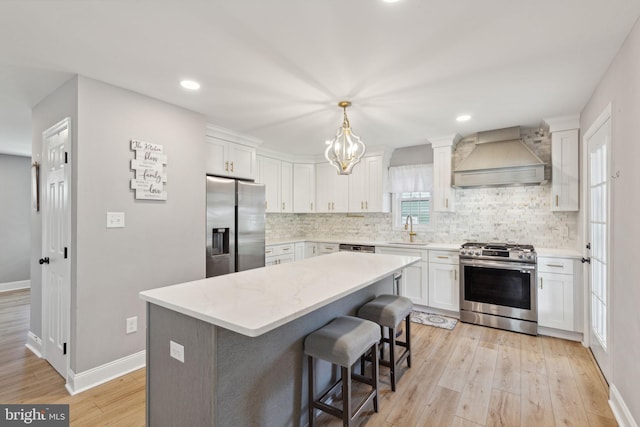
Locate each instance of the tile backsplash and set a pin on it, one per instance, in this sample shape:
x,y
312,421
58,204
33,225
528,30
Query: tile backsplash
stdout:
x,y
518,214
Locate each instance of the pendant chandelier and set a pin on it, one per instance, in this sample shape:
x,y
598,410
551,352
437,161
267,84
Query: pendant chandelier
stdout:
x,y
346,149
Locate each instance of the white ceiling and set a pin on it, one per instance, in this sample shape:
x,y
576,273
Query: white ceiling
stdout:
x,y
275,70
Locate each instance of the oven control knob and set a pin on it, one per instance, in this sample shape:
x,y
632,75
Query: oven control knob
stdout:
x,y
478,253
529,256
521,256
463,252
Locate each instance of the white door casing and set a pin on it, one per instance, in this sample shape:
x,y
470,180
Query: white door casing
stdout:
x,y
598,201
56,224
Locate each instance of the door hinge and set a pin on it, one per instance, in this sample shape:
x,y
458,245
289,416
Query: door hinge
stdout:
x,y
65,252
64,348
66,157
589,246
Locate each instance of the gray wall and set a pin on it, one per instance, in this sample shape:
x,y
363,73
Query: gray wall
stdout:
x,y
62,103
15,203
162,242
621,87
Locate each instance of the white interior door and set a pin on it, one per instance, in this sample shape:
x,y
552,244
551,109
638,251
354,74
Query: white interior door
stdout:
x,y
598,219
55,259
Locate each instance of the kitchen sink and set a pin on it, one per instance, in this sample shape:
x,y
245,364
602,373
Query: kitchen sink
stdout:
x,y
402,243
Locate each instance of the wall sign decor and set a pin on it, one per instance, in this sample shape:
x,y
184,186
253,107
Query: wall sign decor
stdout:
x,y
148,166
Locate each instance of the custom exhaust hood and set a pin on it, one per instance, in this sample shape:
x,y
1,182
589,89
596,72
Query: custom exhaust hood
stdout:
x,y
499,158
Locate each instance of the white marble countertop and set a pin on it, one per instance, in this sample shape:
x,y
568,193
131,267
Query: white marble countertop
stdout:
x,y
398,244
257,301
544,252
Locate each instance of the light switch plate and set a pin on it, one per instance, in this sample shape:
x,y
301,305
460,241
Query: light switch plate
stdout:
x,y
176,351
115,219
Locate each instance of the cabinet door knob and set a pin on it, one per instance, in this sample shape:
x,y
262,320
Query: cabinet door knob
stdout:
x,y
361,206
557,200
366,205
226,166
541,285
231,166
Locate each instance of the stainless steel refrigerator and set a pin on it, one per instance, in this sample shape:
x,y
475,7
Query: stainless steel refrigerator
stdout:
x,y
235,225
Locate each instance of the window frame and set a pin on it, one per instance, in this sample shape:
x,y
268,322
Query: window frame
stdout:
x,y
397,213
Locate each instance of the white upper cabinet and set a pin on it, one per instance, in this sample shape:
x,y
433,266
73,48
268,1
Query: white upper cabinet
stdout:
x,y
286,187
276,176
332,190
366,186
304,187
226,158
564,170
443,196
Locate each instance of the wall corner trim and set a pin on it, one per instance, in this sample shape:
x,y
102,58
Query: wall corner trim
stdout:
x,y
14,286
34,343
82,381
620,409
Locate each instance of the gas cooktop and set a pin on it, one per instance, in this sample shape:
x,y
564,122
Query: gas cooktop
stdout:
x,y
499,251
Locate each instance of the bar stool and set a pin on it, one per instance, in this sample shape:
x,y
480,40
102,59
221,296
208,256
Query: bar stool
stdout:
x,y
388,311
342,342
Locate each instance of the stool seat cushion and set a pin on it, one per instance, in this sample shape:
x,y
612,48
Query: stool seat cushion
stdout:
x,y
343,340
386,310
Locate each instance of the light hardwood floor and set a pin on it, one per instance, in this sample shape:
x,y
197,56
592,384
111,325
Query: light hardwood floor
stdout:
x,y
471,376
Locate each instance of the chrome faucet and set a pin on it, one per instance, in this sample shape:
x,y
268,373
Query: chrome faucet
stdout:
x,y
409,223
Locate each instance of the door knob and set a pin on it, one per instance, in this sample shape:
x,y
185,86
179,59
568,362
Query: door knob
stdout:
x,y
587,260
44,260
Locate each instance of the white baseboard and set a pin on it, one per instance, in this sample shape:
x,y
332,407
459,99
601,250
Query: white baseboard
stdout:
x,y
620,409
93,377
14,286
34,343
559,333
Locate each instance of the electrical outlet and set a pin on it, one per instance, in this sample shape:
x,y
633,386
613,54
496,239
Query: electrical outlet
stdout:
x,y
176,351
132,324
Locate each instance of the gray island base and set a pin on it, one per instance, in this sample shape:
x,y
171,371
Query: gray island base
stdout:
x,y
249,378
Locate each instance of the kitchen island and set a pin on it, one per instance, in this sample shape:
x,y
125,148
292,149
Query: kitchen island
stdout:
x,y
237,353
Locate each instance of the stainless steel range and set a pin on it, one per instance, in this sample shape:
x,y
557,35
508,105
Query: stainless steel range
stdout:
x,y
498,286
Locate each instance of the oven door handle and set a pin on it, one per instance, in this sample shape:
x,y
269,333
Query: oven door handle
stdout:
x,y
522,267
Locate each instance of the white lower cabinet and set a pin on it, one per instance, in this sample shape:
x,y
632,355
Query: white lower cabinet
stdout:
x,y
555,293
279,254
414,282
444,283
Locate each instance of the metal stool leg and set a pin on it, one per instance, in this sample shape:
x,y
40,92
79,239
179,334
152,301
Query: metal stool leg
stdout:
x,y
408,338
392,357
311,391
346,396
374,375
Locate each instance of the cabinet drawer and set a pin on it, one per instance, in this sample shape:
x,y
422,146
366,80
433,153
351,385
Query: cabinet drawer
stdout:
x,y
327,248
555,265
444,257
269,251
285,249
403,252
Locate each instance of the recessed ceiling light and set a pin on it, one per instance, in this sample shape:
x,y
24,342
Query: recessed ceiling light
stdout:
x,y
463,118
190,84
